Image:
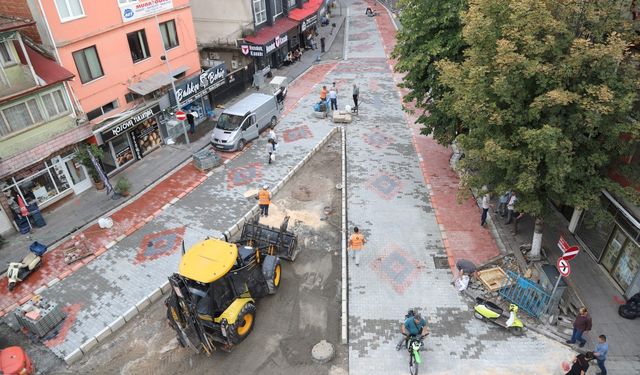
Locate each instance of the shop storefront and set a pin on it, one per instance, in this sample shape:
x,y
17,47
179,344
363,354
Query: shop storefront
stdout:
x,y
270,45
615,244
193,94
308,17
44,183
126,140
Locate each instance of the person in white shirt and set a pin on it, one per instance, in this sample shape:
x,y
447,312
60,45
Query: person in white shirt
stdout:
x,y
486,204
333,97
511,207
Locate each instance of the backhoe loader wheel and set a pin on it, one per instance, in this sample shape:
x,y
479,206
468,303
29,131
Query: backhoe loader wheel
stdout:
x,y
272,271
243,326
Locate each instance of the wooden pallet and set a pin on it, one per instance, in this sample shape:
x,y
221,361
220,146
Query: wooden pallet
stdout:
x,y
492,278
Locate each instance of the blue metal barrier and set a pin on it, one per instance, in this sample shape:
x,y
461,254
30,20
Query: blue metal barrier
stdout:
x,y
523,292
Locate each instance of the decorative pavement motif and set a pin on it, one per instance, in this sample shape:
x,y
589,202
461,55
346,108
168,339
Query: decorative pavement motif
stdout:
x,y
297,133
385,185
72,313
378,139
398,268
156,245
244,175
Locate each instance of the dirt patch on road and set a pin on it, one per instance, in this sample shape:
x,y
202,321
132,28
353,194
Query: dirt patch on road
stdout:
x,y
305,310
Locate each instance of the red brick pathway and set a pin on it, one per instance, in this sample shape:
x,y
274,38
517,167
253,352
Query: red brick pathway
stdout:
x,y
463,235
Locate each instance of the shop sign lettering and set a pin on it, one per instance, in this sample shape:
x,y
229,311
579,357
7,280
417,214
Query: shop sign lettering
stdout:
x,y
270,47
206,81
131,123
136,9
281,40
251,50
309,22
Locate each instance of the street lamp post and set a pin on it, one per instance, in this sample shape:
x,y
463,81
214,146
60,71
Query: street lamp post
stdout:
x,y
165,58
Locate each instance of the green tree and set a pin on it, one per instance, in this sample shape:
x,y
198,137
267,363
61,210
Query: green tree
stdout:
x,y
431,31
546,91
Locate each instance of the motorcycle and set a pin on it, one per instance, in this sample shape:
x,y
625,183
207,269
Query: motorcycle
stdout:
x,y
18,271
414,345
489,311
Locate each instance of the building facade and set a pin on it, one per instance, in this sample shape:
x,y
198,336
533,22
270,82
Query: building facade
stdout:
x,y
38,129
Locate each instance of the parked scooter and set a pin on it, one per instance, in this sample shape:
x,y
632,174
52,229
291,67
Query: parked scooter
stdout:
x,y
489,311
18,271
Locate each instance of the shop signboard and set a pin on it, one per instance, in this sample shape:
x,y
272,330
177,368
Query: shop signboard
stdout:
x,y
132,10
252,50
308,22
131,123
281,40
198,86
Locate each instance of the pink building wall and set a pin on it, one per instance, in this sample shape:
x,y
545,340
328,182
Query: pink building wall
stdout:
x,y
103,27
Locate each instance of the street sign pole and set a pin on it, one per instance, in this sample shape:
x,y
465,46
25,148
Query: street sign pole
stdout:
x,y
563,271
555,287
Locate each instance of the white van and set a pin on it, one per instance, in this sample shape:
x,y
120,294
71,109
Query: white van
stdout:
x,y
243,121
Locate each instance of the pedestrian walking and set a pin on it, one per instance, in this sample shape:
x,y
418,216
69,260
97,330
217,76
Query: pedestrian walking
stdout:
x,y
600,353
511,206
271,150
486,204
356,242
502,203
581,325
333,96
356,92
264,200
323,94
272,135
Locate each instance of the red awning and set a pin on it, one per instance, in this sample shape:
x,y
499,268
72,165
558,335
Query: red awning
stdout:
x,y
267,34
308,9
48,70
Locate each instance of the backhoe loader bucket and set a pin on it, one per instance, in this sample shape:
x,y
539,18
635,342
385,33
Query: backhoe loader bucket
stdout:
x,y
270,240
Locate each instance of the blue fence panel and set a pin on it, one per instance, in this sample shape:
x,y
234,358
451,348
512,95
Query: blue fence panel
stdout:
x,y
523,292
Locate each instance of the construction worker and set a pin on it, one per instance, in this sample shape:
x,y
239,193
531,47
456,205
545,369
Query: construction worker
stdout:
x,y
264,200
355,243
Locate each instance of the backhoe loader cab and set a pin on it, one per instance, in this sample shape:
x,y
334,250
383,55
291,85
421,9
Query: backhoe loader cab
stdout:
x,y
212,303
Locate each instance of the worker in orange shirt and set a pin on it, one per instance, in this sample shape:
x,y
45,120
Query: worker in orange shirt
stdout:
x,y
323,94
356,242
264,200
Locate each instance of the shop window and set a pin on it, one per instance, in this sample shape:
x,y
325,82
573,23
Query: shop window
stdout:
x,y
169,34
103,110
42,185
88,64
260,11
292,4
6,54
69,9
138,45
277,7
54,103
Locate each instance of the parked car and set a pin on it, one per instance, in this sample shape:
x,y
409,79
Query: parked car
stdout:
x,y
243,121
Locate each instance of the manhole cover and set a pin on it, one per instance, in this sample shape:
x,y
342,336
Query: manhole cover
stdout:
x,y
441,263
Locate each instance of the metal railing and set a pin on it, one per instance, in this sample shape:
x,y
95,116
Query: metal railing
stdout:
x,y
523,292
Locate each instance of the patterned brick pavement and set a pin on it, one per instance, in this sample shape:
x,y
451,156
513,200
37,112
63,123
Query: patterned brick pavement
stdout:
x,y
401,217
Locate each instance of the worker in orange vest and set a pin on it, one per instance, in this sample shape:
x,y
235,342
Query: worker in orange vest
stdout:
x,y
323,93
264,200
356,243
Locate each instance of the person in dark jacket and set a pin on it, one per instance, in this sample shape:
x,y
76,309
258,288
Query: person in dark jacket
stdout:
x,y
581,325
580,365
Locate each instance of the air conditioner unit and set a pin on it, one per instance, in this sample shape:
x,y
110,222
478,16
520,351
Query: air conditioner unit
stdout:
x,y
234,64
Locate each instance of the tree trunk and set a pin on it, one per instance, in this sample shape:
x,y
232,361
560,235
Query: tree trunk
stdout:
x,y
536,242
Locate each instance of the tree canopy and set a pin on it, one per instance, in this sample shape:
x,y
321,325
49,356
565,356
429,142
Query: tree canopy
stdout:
x,y
545,91
431,32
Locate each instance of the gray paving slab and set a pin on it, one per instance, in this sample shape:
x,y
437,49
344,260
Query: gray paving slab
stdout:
x,y
388,200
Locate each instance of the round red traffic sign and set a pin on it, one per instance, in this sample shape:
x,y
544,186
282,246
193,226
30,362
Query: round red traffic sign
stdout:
x,y
181,116
563,267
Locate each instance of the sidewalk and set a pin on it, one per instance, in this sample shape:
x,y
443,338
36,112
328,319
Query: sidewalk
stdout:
x,y
411,229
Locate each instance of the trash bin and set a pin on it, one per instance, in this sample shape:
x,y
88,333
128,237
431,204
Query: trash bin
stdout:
x,y
322,44
38,220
